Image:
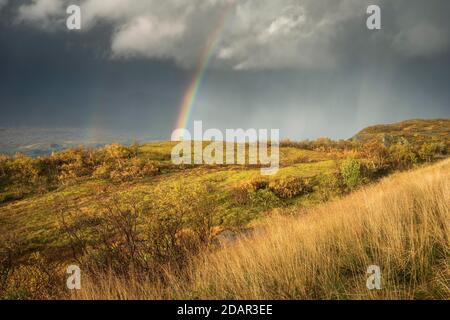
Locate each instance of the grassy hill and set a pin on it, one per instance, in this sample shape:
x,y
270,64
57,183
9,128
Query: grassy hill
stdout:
x,y
415,131
130,208
36,218
401,224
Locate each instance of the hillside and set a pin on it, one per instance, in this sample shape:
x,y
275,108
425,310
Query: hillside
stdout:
x,y
130,208
35,217
415,131
401,224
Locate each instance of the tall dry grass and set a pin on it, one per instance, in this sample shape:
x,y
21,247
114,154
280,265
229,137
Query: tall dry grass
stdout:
x,y
401,224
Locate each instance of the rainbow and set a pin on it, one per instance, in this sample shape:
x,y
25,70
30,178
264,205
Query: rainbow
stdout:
x,y
191,93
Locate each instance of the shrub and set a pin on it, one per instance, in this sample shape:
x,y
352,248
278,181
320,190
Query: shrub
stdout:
x,y
37,278
289,187
260,191
259,183
102,171
351,173
264,198
117,151
163,246
121,164
195,203
429,151
377,155
121,242
26,277
24,170
240,194
74,164
144,232
4,170
329,186
402,156
149,169
241,191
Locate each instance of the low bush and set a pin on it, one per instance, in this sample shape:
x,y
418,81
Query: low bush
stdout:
x,y
402,156
289,187
241,191
351,173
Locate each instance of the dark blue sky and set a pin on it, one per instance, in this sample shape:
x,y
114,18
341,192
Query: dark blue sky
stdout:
x,y
57,80
50,77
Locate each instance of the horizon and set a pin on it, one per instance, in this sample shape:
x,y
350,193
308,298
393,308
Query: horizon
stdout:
x,y
85,130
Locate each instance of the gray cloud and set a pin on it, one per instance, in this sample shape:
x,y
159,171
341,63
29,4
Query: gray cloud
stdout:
x,y
259,34
3,3
421,40
44,13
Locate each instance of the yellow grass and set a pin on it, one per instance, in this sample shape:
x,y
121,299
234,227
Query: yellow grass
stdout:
x,y
401,224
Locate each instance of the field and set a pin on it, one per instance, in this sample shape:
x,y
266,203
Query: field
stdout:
x,y
401,224
36,218
128,215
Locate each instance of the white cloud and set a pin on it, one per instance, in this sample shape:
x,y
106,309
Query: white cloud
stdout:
x,y
41,12
160,37
257,34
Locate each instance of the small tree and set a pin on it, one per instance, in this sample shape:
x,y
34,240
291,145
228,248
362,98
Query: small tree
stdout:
x,y
402,155
376,153
351,173
428,151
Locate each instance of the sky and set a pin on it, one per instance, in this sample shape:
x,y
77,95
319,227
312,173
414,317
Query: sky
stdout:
x,y
310,68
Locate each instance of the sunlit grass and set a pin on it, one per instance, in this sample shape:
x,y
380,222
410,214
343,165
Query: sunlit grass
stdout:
x,y
401,224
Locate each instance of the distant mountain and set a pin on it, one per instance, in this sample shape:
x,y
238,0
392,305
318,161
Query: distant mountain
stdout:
x,y
44,141
416,130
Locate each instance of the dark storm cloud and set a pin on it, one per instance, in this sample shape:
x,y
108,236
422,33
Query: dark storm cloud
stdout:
x,y
257,34
310,67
